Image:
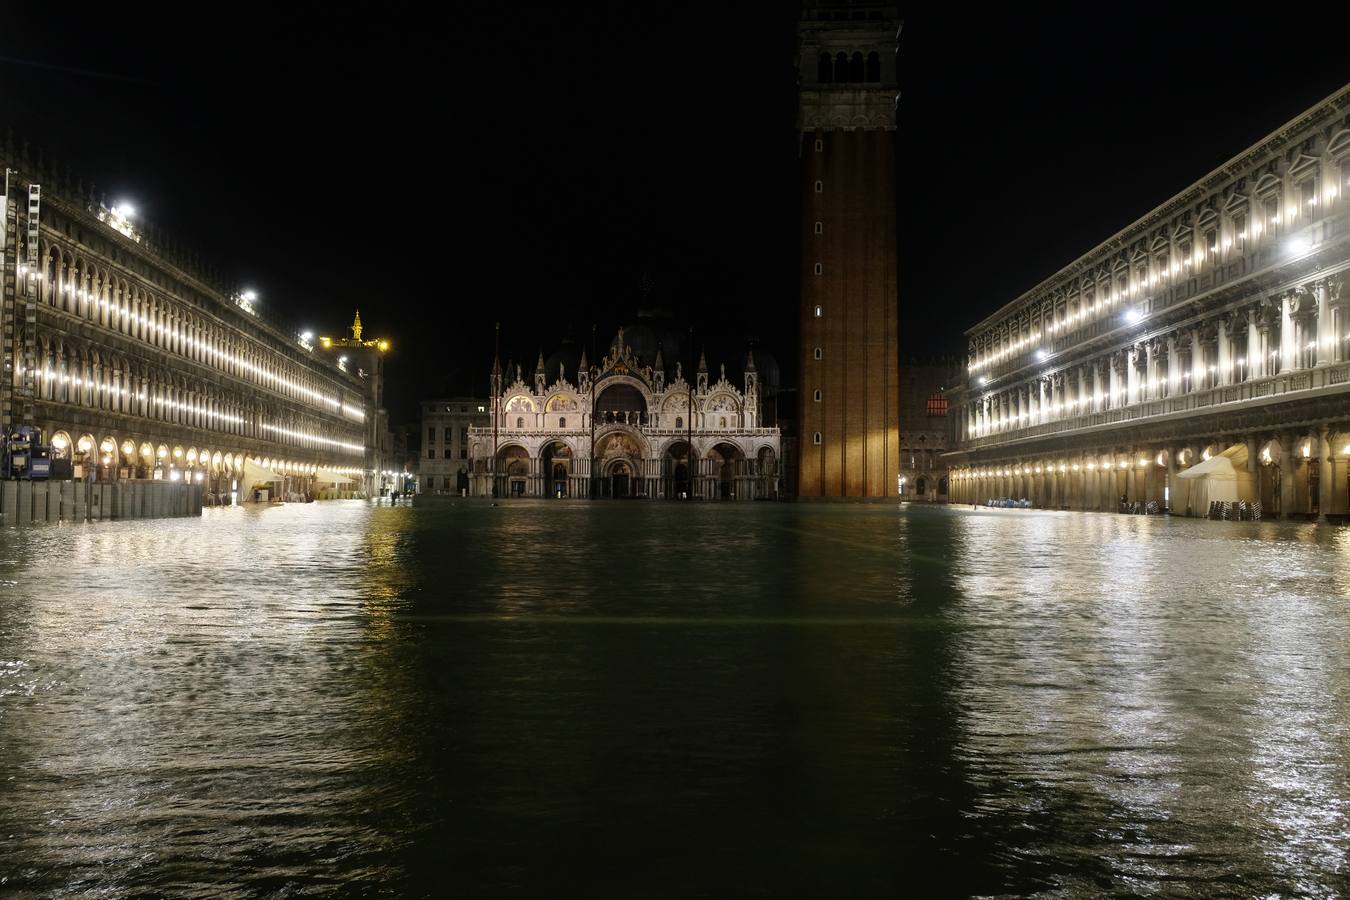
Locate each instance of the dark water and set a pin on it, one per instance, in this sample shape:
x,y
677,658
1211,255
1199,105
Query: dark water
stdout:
x,y
673,700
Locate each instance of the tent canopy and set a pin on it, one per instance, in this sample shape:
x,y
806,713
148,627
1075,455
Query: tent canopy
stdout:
x,y
1219,467
328,476
256,474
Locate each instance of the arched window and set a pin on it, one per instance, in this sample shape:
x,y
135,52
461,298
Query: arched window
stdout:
x,y
816,439
873,66
724,422
679,422
855,68
937,405
841,67
823,69
820,187
562,421
816,395
520,421
820,228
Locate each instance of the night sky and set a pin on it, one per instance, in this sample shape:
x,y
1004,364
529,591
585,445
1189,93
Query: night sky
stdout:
x,y
537,166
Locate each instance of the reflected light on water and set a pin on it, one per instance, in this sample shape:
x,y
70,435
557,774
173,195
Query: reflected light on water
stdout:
x,y
775,699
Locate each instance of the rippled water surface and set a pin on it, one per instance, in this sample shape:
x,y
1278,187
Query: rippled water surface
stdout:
x,y
673,700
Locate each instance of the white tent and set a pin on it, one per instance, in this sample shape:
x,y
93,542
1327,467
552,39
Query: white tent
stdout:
x,y
1223,478
255,474
328,476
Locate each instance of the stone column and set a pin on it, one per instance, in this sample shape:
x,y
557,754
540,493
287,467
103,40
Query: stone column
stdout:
x,y
1171,478
1326,459
1326,334
1253,344
1173,366
1197,360
1287,333
1222,356
1287,450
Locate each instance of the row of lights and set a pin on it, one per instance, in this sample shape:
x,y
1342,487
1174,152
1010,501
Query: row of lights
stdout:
x,y
309,437
1305,450
1176,379
1296,246
192,457
50,375
266,377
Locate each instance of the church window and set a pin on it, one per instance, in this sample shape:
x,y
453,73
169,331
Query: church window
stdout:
x,y
937,405
520,422
819,269
820,228
562,421
820,187
873,66
820,145
724,422
679,421
816,439
820,311
818,354
816,395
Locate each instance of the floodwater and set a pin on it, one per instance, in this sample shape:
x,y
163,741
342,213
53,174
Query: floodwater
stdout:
x,y
641,700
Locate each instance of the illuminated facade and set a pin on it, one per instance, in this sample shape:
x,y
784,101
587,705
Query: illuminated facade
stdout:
x,y
631,426
136,364
848,425
1214,326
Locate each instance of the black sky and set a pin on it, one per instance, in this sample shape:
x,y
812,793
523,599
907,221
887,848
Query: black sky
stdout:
x,y
530,165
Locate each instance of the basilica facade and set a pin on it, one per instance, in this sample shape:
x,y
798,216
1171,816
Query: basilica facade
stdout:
x,y
630,426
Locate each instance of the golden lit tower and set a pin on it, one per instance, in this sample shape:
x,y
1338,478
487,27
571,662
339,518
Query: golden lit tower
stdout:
x,y
849,424
365,359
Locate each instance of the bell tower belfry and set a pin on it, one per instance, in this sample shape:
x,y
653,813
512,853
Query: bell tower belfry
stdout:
x,y
849,439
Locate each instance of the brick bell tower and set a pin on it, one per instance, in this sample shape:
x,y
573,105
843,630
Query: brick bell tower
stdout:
x,y
850,417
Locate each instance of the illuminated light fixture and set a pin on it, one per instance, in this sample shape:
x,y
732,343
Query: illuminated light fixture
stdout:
x,y
1297,245
1307,450
1133,316
1092,465
984,379
199,477
1124,464
1041,354
1075,467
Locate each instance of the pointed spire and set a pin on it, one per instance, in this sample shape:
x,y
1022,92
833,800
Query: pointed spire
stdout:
x,y
750,360
356,326
660,364
539,366
702,362
583,365
496,348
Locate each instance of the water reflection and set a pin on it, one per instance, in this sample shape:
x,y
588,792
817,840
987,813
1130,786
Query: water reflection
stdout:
x,y
672,700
